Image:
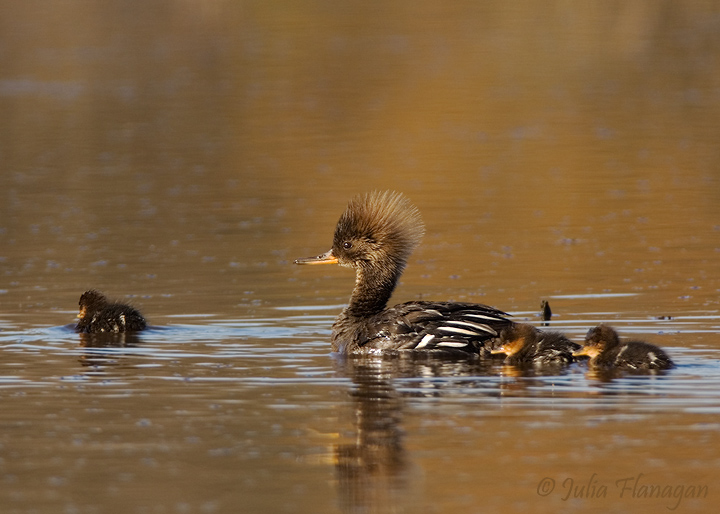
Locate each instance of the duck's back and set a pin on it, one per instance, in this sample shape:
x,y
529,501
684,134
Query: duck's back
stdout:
x,y
552,348
555,348
636,355
421,325
114,318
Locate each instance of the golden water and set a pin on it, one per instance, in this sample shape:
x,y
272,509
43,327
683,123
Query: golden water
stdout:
x,y
180,155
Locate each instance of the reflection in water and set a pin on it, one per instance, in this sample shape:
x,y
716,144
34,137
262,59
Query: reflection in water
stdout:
x,y
375,472
236,407
185,151
529,370
604,375
372,470
109,340
105,340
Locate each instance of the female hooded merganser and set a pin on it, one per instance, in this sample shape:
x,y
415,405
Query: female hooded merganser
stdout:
x,y
525,344
603,346
376,235
98,315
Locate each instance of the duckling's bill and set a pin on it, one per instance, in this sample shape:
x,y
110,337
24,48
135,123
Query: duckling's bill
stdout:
x,y
326,258
589,351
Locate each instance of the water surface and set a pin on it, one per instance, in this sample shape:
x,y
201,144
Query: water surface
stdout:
x,y
180,155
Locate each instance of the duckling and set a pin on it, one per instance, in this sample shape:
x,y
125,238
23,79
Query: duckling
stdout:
x,y
97,314
523,344
603,346
375,236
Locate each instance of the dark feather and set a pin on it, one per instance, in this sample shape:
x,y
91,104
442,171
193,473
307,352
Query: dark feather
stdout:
x,y
97,314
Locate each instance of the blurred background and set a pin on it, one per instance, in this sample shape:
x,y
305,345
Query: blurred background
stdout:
x,y
188,151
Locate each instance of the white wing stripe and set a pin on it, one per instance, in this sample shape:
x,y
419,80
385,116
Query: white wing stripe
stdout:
x,y
424,341
477,326
480,316
458,331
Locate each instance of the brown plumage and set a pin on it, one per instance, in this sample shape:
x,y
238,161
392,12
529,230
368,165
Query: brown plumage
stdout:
x,y
376,235
525,344
97,314
603,346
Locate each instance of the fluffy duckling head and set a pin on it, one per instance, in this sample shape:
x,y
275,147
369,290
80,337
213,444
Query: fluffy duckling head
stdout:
x,y
598,340
91,302
514,338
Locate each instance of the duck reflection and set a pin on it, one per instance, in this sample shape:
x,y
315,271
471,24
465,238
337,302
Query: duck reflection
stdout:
x,y
372,470
99,341
602,376
630,378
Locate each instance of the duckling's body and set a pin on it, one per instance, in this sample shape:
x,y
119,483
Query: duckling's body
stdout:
x,y
525,344
97,314
376,235
603,346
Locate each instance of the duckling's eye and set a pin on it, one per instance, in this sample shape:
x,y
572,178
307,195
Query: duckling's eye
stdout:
x,y
347,245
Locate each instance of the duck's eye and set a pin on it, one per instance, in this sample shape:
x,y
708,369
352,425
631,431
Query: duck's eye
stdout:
x,y
347,245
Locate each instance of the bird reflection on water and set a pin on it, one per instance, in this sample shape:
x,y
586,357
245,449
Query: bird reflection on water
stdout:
x,y
375,469
102,347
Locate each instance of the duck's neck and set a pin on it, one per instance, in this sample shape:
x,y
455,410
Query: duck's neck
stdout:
x,y
528,348
373,288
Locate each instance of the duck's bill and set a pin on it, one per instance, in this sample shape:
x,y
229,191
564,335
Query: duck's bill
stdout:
x,y
583,352
326,258
497,351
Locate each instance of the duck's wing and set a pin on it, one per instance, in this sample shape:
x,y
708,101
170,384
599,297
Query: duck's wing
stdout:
x,y
448,326
641,355
554,347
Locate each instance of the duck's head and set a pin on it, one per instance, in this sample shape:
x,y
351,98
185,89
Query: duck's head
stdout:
x,y
378,230
514,338
90,302
597,340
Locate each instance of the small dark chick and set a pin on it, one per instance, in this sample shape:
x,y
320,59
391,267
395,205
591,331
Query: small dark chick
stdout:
x,y
97,314
525,344
603,346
